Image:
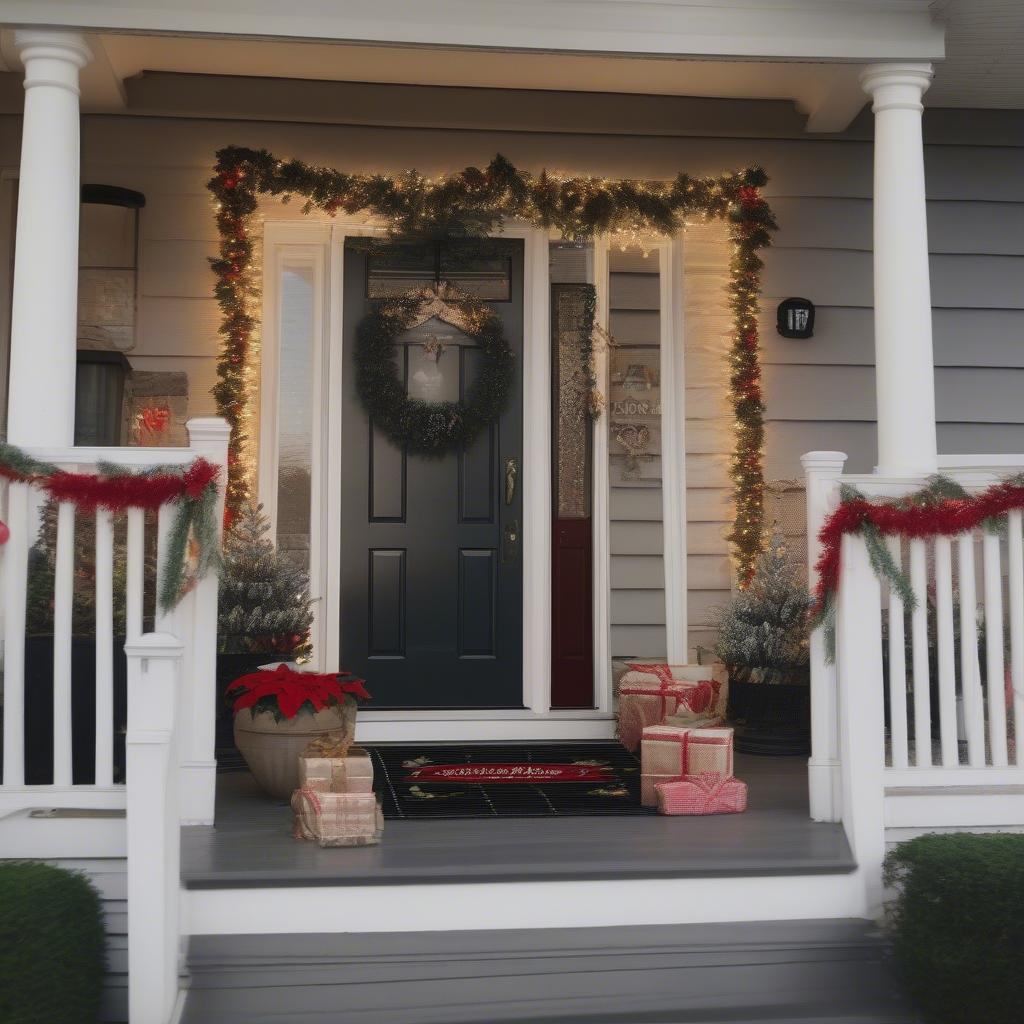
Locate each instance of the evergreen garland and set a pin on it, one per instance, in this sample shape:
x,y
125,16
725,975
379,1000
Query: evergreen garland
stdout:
x,y
474,203
430,428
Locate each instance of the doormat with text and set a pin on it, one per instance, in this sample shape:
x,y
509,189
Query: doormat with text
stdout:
x,y
506,780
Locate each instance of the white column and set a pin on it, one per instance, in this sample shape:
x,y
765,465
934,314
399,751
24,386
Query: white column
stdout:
x,y
904,365
822,471
41,409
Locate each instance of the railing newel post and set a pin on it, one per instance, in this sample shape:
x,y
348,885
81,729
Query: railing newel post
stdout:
x,y
822,471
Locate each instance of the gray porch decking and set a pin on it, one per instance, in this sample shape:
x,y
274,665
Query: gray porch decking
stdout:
x,y
251,843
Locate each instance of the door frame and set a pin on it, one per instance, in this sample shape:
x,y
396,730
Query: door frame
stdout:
x,y
290,242
321,244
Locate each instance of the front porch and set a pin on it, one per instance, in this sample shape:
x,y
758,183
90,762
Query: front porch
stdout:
x,y
251,844
216,888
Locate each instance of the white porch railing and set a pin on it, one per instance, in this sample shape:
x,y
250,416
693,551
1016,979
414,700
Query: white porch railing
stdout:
x,y
193,622
170,768
927,705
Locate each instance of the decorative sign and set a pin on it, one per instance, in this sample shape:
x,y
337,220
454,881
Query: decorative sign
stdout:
x,y
523,773
636,407
796,318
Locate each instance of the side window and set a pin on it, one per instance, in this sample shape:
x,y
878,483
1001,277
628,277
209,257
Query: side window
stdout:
x,y
108,245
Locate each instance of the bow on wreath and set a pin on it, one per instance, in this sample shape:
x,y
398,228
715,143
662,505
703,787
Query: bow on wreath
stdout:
x,y
193,537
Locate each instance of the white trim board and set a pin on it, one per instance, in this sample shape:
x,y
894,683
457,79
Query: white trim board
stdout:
x,y
673,445
500,905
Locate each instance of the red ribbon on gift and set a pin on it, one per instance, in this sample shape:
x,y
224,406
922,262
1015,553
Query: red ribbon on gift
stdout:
x,y
663,692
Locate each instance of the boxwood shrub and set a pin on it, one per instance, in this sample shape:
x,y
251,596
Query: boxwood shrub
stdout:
x,y
958,925
52,955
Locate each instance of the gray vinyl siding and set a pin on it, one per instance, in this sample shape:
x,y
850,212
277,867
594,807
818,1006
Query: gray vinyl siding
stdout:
x,y
819,392
637,542
109,876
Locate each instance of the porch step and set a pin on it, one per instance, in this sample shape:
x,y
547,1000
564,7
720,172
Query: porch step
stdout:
x,y
800,972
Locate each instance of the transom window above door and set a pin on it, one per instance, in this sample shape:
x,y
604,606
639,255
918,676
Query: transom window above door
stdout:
x,y
395,269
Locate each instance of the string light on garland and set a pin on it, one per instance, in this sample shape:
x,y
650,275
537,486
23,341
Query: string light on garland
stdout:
x,y
474,203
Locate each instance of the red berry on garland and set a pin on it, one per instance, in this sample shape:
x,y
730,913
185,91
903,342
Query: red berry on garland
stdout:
x,y
5,534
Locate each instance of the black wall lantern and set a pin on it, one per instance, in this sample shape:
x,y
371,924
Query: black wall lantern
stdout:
x,y
796,318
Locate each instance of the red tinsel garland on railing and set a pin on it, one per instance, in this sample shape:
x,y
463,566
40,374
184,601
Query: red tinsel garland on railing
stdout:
x,y
192,488
932,512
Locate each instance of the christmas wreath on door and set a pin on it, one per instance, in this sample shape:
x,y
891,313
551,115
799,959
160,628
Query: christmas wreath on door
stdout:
x,y
419,426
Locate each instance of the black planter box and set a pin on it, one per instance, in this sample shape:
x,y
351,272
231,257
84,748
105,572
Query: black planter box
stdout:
x,y
39,709
769,719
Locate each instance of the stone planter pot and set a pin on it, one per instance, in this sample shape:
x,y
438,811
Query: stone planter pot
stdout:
x,y
271,748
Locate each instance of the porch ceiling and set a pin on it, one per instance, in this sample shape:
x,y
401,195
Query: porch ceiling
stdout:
x,y
807,52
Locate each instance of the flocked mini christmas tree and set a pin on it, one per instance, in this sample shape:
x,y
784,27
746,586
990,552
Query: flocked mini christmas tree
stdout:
x,y
264,596
763,632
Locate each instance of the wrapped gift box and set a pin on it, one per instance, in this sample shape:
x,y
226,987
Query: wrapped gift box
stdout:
x,y
668,752
337,819
352,773
645,700
707,686
702,794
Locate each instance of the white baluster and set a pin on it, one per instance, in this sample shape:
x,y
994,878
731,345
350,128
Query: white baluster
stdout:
x,y
166,621
922,670
135,573
104,648
994,672
15,566
1015,551
897,669
947,649
63,599
970,678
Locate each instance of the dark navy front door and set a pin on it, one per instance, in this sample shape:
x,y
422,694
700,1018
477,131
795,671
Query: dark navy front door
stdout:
x,y
431,607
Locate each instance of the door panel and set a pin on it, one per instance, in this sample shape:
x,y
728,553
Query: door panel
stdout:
x,y
431,610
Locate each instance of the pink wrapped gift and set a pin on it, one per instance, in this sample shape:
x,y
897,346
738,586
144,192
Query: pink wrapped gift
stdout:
x,y
702,794
668,752
352,773
337,819
645,700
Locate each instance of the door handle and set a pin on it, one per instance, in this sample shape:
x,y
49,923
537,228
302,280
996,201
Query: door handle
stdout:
x,y
510,542
511,472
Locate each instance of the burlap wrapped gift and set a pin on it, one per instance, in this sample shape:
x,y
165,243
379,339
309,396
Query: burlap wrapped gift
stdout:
x,y
702,794
645,700
337,819
652,693
350,773
668,752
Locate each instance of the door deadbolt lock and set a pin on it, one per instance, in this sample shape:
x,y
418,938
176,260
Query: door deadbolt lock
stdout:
x,y
510,542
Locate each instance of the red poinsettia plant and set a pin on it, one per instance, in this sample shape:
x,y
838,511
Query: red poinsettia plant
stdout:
x,y
285,692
